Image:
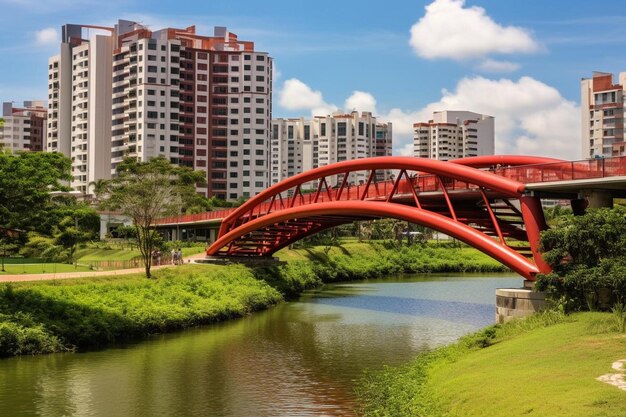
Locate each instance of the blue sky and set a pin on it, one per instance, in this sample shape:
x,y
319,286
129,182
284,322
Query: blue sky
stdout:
x,y
520,61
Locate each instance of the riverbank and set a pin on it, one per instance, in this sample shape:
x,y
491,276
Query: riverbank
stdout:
x,y
54,316
546,365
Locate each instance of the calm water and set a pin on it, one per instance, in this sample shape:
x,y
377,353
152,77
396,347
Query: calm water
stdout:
x,y
298,359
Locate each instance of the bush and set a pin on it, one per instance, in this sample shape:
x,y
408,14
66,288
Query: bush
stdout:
x,y
583,288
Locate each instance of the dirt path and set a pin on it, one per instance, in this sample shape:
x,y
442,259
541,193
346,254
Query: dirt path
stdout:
x,y
85,274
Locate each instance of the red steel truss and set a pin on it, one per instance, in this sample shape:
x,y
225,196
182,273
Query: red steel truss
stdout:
x,y
483,208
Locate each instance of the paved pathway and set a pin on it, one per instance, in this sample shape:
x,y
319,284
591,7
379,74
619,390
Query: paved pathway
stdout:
x,y
616,379
85,274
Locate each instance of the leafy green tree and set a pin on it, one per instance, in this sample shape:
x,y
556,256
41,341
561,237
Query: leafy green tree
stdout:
x,y
585,240
587,254
26,180
68,234
147,191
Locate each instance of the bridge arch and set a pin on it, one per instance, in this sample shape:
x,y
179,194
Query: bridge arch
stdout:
x,y
456,198
370,209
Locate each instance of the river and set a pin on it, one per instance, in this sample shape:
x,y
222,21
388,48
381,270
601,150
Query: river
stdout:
x,y
297,359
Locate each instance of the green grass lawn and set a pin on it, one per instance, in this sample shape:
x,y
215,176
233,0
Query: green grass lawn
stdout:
x,y
42,268
546,371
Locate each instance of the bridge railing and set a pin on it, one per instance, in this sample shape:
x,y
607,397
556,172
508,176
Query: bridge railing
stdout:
x,y
565,171
198,217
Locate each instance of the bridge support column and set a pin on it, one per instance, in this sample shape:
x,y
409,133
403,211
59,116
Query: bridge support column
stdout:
x,y
598,198
512,303
535,222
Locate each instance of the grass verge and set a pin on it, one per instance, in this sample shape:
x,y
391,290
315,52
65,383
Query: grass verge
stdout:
x,y
42,268
546,365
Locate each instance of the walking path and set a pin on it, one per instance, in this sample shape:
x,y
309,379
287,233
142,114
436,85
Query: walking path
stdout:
x,y
85,274
616,379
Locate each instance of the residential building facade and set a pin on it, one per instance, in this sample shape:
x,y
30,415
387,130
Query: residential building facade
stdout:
x,y
200,101
454,134
24,127
79,102
299,145
602,115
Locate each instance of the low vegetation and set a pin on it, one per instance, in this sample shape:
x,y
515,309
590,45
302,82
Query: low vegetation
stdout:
x,y
518,369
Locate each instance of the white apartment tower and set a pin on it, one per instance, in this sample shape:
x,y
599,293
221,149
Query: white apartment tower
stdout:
x,y
200,101
79,102
602,115
454,134
24,127
299,145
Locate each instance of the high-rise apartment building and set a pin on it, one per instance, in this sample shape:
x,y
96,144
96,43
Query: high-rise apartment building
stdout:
x,y
454,134
24,127
299,145
602,115
79,102
200,101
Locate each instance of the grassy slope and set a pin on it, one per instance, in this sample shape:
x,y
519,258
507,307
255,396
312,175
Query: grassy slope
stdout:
x,y
547,372
543,371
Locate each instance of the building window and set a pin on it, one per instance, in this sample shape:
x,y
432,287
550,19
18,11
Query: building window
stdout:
x,y
341,129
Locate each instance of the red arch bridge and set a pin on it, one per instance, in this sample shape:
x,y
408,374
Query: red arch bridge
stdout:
x,y
492,203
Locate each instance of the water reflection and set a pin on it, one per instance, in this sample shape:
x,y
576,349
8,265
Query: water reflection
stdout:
x,y
297,359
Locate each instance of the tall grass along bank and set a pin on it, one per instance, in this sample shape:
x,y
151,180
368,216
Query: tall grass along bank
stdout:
x,y
55,316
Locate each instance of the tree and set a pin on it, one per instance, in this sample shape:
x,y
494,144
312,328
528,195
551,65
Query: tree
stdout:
x,y
587,256
68,234
583,241
26,180
147,191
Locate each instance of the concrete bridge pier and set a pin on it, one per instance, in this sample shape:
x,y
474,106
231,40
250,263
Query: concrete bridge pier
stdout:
x,y
597,198
514,303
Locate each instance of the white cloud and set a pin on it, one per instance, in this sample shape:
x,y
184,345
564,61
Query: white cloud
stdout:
x,y
361,101
47,36
532,118
449,30
492,65
296,95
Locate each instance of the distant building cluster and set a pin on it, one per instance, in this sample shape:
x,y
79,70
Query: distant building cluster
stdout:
x,y
454,134
299,145
24,127
602,115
